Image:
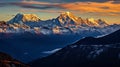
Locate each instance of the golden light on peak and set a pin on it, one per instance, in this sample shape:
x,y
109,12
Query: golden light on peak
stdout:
x,y
68,12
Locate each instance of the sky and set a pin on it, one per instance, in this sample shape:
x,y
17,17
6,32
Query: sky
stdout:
x,y
108,10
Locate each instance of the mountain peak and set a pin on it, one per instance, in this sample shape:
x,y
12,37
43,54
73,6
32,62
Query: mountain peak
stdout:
x,y
25,18
98,23
30,17
68,18
67,13
93,22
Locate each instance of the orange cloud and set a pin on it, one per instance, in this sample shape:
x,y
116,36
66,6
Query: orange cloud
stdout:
x,y
92,6
108,8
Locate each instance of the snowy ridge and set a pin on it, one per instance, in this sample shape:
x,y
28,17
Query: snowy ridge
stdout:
x,y
24,18
68,18
65,23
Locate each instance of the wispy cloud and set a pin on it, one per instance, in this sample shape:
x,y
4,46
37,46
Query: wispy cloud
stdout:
x,y
35,10
68,1
108,14
52,51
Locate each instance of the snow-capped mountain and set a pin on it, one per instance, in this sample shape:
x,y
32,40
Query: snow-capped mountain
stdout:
x,y
65,23
88,52
22,18
69,19
98,23
66,19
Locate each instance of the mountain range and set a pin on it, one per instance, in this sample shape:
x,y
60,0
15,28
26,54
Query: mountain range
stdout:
x,y
65,23
65,19
88,52
98,44
69,19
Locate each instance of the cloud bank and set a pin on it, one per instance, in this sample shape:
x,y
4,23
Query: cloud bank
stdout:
x,y
101,7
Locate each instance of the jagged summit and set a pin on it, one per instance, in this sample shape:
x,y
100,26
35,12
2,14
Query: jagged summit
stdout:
x,y
102,22
69,14
68,18
93,21
97,23
24,18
